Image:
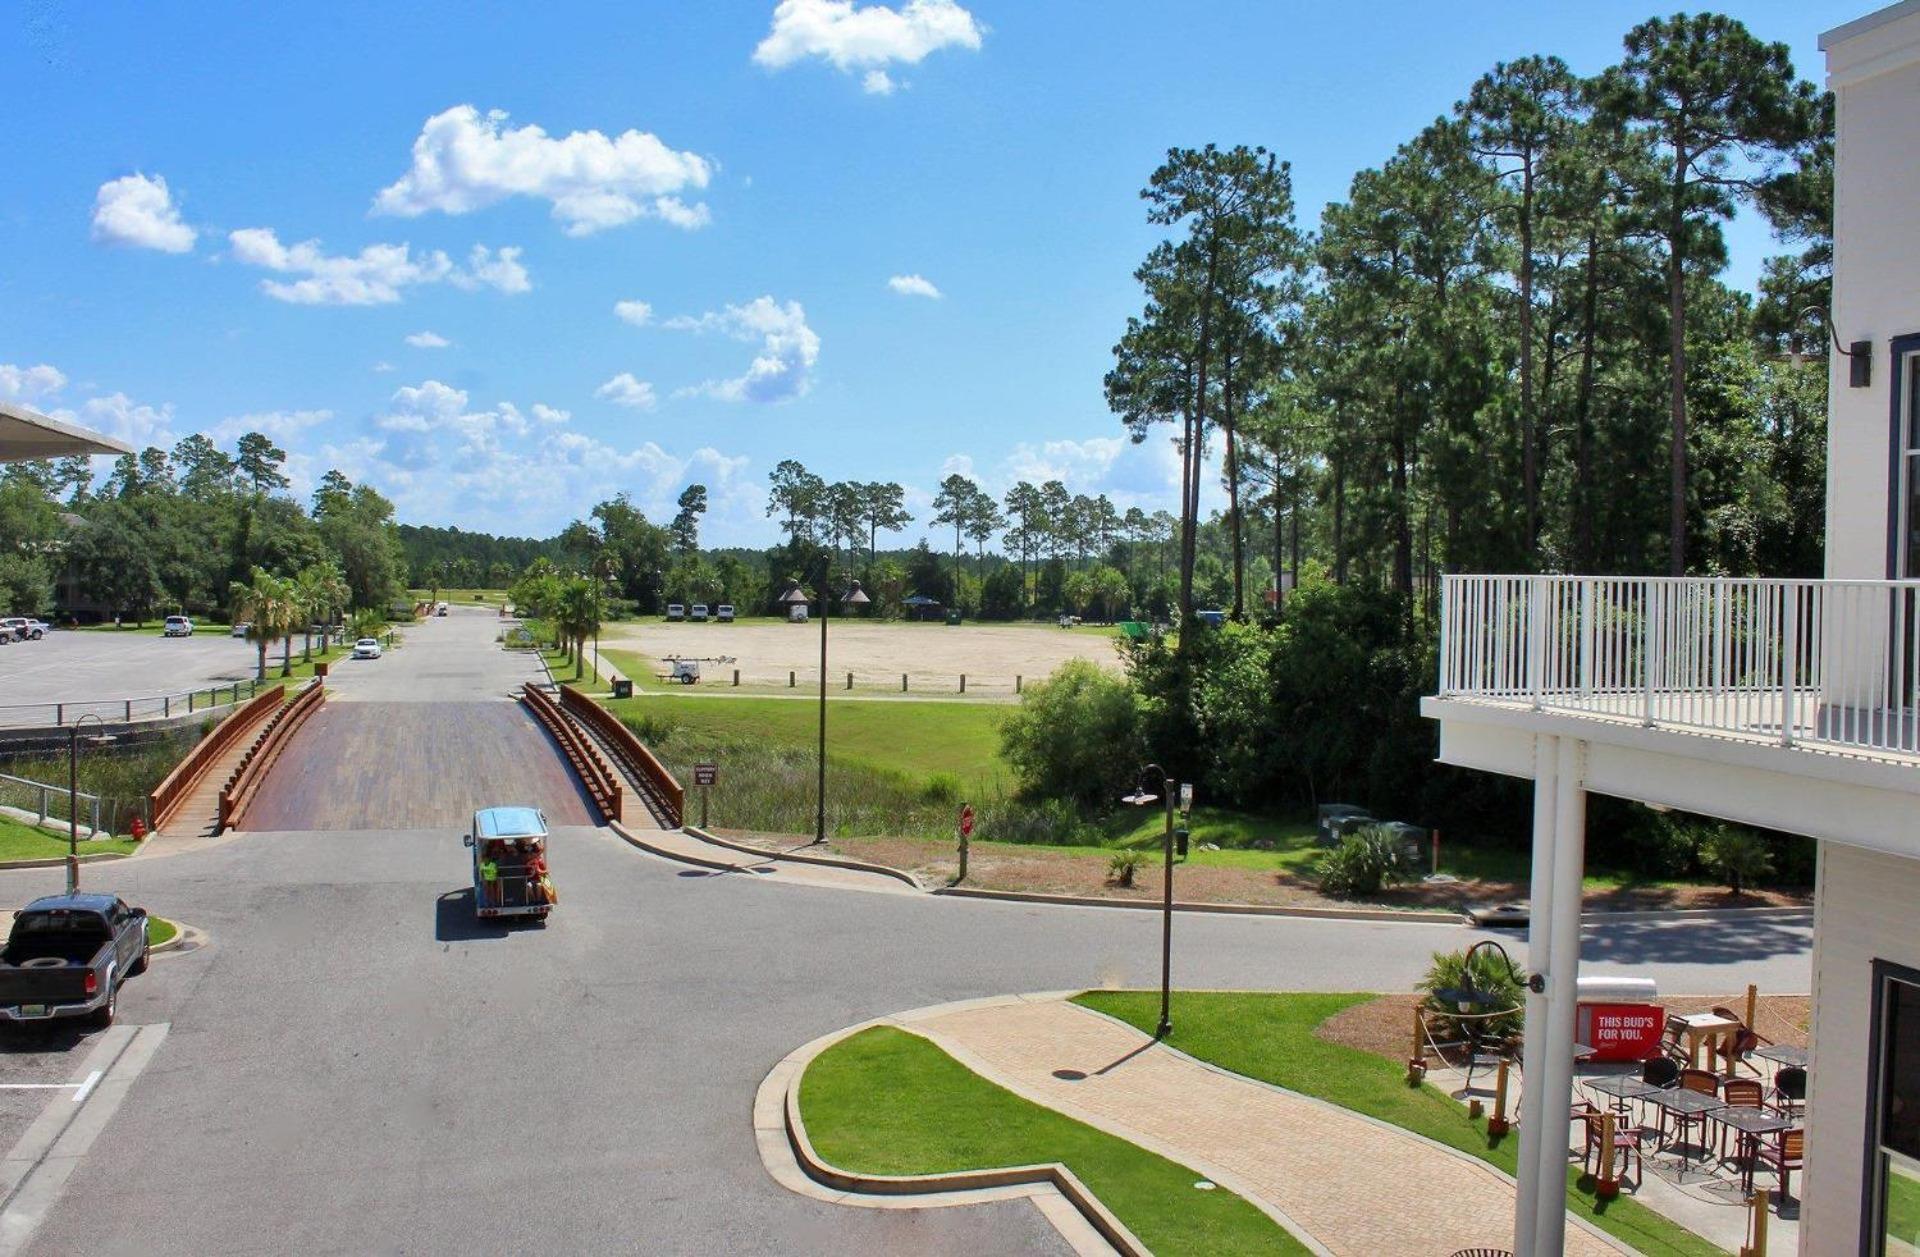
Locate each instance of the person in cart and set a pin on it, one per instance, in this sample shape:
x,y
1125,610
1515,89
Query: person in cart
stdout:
x,y
509,846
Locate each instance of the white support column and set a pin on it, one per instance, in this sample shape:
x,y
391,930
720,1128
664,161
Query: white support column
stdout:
x,y
1552,1056
1546,770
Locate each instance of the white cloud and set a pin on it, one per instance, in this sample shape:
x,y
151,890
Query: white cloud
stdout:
x,y
1082,465
29,384
789,348
374,276
281,425
487,269
550,414
868,38
464,161
428,340
638,313
139,212
382,367
914,286
624,390
118,415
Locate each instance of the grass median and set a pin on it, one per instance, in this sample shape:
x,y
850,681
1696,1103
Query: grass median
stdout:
x,y
21,842
1271,1038
887,1102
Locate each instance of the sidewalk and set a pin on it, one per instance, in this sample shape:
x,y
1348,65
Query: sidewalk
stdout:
x,y
1354,1185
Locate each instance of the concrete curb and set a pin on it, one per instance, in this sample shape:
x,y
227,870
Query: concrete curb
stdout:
x,y
60,861
182,935
664,853
796,857
789,1156
1391,915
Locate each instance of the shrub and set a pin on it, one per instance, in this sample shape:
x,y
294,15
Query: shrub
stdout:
x,y
648,727
1363,863
1075,735
1491,975
941,788
1122,867
1738,855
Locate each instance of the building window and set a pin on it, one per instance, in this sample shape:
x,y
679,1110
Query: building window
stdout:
x,y
1896,1112
1908,384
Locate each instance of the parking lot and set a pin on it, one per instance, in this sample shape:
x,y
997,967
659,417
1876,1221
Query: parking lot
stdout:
x,y
100,670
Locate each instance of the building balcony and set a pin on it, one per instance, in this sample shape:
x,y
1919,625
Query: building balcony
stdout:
x,y
1715,695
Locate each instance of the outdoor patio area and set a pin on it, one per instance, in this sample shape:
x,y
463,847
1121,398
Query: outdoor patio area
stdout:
x,y
1711,1119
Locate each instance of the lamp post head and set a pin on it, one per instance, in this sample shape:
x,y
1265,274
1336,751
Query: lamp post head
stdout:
x,y
1140,797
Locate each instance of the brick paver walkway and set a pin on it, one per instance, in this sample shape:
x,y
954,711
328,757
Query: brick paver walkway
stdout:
x,y
1357,1187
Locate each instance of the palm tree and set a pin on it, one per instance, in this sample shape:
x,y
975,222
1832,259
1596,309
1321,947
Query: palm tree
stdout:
x,y
270,604
313,591
577,616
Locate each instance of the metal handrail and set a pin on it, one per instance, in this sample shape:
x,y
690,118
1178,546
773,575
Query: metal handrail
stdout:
x,y
128,710
1833,665
48,792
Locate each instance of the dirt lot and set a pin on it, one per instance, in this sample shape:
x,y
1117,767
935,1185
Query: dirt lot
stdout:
x,y
1053,871
931,654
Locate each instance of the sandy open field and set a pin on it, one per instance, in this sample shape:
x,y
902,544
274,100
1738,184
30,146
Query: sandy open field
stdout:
x,y
933,655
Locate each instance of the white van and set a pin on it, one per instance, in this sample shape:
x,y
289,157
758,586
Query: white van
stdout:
x,y
675,611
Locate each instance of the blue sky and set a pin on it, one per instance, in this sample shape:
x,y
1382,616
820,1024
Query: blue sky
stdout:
x,y
785,166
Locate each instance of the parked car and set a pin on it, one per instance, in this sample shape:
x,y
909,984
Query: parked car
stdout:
x,y
178,626
40,627
699,613
441,609
724,613
68,956
367,648
21,629
675,611
241,628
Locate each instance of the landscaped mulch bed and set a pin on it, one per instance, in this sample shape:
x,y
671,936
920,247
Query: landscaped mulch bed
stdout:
x,y
1051,871
1383,1025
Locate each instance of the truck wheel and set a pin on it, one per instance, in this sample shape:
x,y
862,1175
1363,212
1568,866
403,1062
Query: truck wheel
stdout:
x,y
103,1016
140,965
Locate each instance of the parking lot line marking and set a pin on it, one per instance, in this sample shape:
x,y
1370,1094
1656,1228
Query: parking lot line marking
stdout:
x,y
36,1170
41,1086
86,1088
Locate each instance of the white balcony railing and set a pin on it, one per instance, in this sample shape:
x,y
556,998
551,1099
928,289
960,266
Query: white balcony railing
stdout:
x,y
1833,665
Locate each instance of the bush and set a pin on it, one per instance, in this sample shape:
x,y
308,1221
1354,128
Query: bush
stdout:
x,y
1738,855
941,788
1492,975
1122,867
1075,735
1363,863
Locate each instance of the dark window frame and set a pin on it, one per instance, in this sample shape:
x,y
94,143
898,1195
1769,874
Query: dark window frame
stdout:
x,y
1898,374
1871,1205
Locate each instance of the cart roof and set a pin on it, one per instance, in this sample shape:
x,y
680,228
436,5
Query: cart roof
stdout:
x,y
509,822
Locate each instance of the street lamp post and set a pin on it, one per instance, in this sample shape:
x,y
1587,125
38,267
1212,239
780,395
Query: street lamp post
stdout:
x,y
797,596
1141,797
73,791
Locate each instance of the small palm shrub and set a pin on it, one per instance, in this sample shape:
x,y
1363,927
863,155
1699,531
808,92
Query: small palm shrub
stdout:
x,y
1738,855
1364,862
1491,976
1123,866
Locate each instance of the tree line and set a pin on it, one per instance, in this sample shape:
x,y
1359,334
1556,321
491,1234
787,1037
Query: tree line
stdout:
x,y
192,530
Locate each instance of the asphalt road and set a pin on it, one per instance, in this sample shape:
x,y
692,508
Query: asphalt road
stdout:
x,y
355,1066
98,671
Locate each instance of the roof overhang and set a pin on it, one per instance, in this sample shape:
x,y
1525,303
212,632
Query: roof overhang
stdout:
x,y
27,434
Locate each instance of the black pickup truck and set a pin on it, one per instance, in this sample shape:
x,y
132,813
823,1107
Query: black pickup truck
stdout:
x,y
68,955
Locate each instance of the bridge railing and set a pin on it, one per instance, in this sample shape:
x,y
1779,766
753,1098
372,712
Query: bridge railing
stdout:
x,y
167,797
595,774
261,756
663,792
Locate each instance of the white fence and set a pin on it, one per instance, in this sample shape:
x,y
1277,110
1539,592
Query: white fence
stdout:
x,y
1833,664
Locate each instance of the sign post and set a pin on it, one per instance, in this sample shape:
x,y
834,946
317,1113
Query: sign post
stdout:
x,y
704,775
966,831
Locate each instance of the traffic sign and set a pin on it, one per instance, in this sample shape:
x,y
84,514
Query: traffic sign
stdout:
x,y
966,820
706,774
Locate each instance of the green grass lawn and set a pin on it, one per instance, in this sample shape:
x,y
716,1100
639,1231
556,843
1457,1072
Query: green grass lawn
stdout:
x,y
919,739
160,930
457,596
20,841
1271,1038
887,1102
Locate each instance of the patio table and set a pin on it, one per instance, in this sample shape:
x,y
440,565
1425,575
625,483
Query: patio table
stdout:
x,y
1699,1028
1685,1105
1622,1087
1783,1054
1751,1124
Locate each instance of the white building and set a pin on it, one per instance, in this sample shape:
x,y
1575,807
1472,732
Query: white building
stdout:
x,y
1788,704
